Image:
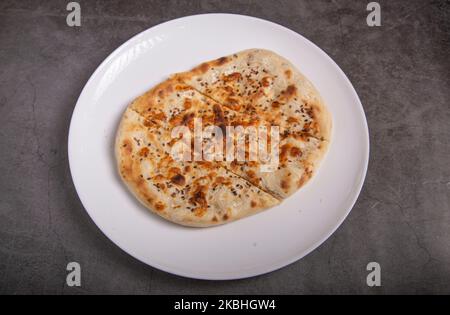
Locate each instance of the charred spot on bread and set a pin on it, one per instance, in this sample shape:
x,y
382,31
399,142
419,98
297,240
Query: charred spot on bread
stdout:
x,y
276,104
203,67
284,184
292,120
219,117
284,151
288,73
199,197
235,76
266,81
187,103
221,61
232,103
200,211
144,152
187,118
160,206
289,92
251,174
178,179
295,152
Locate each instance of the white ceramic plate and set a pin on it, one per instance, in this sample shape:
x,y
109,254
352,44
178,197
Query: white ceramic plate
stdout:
x,y
251,246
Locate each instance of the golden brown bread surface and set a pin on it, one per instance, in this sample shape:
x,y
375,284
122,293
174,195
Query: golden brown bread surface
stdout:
x,y
252,88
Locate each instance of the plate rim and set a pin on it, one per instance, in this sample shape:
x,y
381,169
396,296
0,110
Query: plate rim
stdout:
x,y
275,266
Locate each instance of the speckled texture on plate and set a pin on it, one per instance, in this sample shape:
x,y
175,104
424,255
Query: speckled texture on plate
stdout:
x,y
401,220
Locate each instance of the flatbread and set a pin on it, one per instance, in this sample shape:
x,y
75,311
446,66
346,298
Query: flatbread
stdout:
x,y
212,191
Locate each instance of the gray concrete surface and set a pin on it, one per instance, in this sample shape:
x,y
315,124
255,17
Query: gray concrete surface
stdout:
x,y
401,220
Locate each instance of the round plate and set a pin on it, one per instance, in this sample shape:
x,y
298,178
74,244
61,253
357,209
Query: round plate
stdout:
x,y
250,246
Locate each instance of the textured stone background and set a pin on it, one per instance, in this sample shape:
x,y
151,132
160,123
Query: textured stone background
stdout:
x,y
401,220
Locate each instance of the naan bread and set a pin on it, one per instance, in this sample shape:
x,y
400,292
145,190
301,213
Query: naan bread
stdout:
x,y
253,88
263,84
